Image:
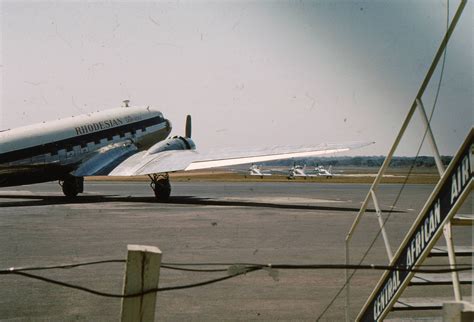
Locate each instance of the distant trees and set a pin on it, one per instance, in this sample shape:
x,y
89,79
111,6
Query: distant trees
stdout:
x,y
362,161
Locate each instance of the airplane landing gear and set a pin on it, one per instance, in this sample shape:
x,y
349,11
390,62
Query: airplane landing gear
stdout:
x,y
72,186
160,183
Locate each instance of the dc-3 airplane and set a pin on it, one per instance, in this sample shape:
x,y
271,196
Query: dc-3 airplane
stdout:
x,y
126,141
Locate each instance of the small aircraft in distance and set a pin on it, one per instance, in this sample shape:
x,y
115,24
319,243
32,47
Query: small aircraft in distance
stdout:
x,y
256,170
298,171
126,141
322,172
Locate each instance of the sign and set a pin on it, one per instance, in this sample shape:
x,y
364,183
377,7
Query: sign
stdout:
x,y
423,234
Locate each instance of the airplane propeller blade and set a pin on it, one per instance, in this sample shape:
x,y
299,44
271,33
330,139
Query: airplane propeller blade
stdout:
x,y
188,126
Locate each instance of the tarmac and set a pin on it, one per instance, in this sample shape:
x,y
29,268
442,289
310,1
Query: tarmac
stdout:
x,y
278,223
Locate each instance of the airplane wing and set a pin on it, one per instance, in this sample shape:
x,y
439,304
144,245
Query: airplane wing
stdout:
x,y
143,163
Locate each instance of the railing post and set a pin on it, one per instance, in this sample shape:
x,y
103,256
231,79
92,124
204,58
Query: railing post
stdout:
x,y
452,260
142,274
431,139
447,227
348,281
378,212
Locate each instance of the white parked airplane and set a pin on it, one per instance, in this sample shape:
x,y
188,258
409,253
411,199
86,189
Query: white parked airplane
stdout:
x,y
255,170
127,141
298,171
322,172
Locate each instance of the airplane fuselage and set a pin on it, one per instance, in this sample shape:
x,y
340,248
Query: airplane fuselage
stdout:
x,y
50,151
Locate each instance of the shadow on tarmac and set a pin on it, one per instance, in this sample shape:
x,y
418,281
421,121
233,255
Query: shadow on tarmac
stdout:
x,y
47,200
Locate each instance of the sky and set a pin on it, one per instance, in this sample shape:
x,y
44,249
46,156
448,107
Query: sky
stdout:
x,y
251,73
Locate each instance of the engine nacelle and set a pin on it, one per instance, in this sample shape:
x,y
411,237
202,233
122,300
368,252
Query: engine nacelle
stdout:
x,y
174,143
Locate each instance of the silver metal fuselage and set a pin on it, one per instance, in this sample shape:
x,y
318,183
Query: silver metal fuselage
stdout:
x,y
50,151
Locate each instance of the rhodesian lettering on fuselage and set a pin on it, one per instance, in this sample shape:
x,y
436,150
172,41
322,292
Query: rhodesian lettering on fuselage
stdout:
x,y
102,125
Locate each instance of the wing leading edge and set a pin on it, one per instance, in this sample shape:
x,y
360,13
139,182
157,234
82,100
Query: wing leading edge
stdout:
x,y
144,163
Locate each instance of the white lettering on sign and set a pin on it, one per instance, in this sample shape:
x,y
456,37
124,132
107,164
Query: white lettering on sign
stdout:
x,y
424,234
384,297
460,177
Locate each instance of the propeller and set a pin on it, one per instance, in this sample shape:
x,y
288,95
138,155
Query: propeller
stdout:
x,y
188,126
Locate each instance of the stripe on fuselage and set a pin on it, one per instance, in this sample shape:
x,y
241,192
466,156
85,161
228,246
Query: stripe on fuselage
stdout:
x,y
69,143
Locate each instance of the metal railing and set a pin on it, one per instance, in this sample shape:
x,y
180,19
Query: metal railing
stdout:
x,y
372,194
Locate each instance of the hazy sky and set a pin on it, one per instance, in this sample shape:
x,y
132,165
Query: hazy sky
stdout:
x,y
250,73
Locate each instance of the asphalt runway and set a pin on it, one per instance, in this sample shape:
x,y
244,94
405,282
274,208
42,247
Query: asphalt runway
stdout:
x,y
279,223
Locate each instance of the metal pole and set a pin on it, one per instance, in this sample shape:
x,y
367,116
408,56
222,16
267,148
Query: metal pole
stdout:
x,y
382,226
431,139
447,232
382,170
452,261
348,285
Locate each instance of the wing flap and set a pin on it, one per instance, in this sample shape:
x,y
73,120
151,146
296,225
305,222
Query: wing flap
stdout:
x,y
106,159
143,163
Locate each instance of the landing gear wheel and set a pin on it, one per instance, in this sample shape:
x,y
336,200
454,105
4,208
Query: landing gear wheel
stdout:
x,y
160,183
72,186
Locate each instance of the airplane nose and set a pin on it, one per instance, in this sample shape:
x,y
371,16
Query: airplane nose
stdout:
x,y
168,125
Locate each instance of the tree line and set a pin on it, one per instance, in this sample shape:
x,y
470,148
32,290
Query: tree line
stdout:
x,y
361,161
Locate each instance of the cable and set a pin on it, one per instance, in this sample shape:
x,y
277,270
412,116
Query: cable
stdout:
x,y
176,266
238,270
406,178
249,270
112,295
68,285
193,269
436,268
75,265
291,265
62,266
